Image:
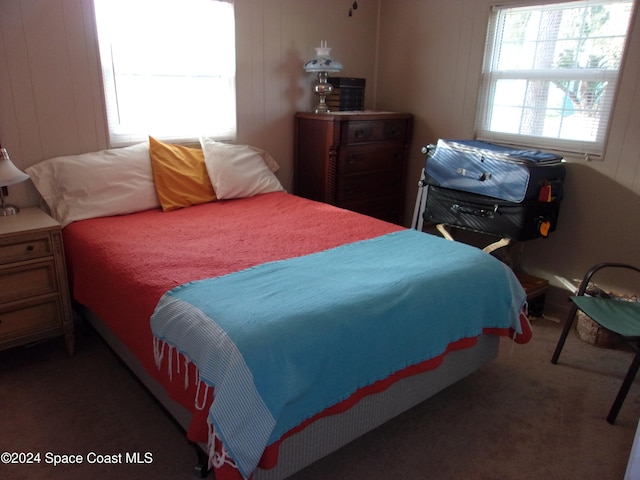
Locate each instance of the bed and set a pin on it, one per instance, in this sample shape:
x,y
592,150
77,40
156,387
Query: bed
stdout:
x,y
275,329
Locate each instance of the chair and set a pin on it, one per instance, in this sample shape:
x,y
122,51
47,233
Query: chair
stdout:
x,y
619,316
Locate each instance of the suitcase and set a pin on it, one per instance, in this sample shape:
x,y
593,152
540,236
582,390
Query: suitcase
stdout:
x,y
518,221
495,171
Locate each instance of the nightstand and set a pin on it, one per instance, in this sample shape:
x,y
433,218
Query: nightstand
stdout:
x,y
34,294
354,160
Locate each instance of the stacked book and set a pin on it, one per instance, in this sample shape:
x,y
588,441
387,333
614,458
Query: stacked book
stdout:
x,y
347,95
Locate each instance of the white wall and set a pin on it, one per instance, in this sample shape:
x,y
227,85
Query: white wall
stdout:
x,y
430,64
50,87
274,39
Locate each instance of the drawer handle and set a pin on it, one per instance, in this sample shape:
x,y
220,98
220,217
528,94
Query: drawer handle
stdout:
x,y
360,132
395,131
30,248
352,160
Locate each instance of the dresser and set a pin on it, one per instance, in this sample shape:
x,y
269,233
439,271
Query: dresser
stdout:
x,y
34,294
354,160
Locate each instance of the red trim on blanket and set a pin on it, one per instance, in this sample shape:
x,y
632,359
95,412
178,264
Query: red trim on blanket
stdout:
x,y
520,338
269,458
226,471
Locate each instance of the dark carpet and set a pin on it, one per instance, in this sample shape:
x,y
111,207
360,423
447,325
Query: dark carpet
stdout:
x,y
520,417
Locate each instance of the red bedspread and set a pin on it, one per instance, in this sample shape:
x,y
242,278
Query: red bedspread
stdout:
x,y
119,267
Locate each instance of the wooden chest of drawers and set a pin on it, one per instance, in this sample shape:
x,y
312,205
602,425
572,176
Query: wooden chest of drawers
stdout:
x,y
34,295
354,160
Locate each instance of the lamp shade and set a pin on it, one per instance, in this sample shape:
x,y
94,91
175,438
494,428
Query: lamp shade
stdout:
x,y
323,61
9,173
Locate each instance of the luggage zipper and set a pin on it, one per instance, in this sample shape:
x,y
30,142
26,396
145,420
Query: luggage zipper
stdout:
x,y
478,212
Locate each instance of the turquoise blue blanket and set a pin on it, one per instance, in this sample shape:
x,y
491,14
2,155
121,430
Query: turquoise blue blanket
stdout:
x,y
284,340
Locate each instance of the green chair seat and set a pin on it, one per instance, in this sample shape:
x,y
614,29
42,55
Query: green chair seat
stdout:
x,y
619,316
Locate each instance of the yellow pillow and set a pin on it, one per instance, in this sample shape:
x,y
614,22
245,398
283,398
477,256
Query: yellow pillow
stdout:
x,y
180,175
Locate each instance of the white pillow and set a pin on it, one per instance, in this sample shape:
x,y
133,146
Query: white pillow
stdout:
x,y
97,184
238,171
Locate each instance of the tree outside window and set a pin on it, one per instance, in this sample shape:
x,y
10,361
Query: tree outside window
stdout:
x,y
550,74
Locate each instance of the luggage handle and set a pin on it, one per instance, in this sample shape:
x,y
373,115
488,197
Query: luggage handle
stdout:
x,y
478,212
480,176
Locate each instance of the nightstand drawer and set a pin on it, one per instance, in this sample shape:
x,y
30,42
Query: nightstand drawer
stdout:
x,y
370,157
30,318
27,280
374,131
34,291
37,247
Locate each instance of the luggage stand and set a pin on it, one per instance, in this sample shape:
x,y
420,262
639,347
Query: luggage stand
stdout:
x,y
421,204
418,221
503,242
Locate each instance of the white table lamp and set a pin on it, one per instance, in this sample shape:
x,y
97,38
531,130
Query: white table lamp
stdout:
x,y
9,175
323,64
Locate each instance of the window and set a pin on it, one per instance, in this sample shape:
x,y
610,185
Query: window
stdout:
x,y
168,68
550,74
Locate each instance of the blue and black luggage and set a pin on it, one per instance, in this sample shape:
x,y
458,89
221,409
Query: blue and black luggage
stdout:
x,y
492,189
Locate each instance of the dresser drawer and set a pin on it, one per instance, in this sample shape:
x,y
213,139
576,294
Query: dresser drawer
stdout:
x,y
27,280
373,131
367,187
30,318
370,157
25,249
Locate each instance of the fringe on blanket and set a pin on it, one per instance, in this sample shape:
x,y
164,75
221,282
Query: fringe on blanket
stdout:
x,y
159,349
218,454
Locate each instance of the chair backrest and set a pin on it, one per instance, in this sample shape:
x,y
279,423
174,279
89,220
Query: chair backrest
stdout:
x,y
601,266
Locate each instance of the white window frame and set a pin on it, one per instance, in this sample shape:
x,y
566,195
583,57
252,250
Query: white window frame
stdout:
x,y
182,107
491,75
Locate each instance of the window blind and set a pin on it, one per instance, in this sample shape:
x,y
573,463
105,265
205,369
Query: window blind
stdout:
x,y
168,68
